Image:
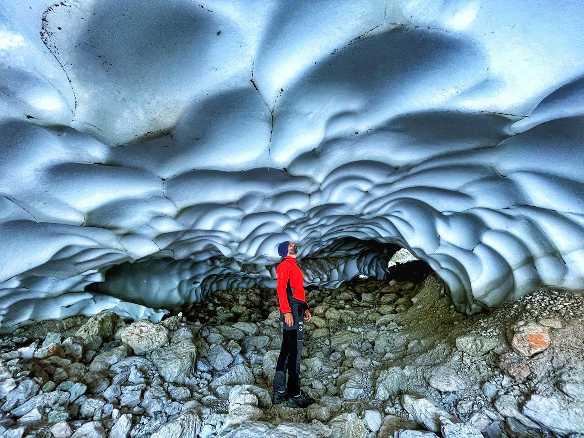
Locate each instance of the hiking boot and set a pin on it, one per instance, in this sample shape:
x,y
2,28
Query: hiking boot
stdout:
x,y
301,400
279,393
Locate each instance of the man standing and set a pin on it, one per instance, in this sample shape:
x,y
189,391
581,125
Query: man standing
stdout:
x,y
293,311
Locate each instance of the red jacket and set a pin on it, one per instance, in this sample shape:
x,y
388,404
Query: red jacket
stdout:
x,y
286,271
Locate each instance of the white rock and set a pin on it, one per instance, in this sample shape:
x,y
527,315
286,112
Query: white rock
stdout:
x,y
122,426
373,420
61,430
559,415
424,412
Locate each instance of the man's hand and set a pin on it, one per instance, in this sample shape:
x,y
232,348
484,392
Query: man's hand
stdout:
x,y
307,315
288,319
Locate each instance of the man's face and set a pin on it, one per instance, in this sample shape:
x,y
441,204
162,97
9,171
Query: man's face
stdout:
x,y
292,248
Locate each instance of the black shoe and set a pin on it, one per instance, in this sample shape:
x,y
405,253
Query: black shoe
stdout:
x,y
301,400
279,397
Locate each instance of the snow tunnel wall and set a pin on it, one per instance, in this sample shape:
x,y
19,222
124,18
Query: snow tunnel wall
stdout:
x,y
190,137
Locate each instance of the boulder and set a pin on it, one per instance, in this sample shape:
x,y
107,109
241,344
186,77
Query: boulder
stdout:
x,y
218,357
175,363
559,415
144,336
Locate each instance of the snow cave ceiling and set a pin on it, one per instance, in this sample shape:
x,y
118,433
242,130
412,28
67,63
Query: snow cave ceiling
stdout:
x,y
153,152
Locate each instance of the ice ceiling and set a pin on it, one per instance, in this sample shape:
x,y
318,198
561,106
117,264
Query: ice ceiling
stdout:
x,y
159,150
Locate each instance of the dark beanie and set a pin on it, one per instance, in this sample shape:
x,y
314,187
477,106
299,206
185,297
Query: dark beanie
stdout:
x,y
283,248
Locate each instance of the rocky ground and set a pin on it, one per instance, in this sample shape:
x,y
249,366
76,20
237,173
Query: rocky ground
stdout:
x,y
382,359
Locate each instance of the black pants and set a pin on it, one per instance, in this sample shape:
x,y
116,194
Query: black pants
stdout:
x,y
291,349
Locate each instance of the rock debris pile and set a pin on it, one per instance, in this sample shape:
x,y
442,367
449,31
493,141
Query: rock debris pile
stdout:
x,y
383,359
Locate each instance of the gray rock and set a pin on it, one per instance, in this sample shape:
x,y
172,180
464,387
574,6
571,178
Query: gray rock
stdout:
x,y
218,357
173,322
188,424
389,383
179,393
229,332
248,328
506,405
392,424
242,413
73,347
445,379
238,375
255,343
108,358
182,334
112,392
348,425
57,415
356,385
52,399
144,336
149,425
25,390
131,395
176,363
135,376
476,345
318,412
49,346
249,395
33,416
91,408
424,412
90,430
269,363
122,426
75,389
557,414
102,324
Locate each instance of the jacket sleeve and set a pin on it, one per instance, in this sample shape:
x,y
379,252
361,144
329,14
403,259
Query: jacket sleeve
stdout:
x,y
282,276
